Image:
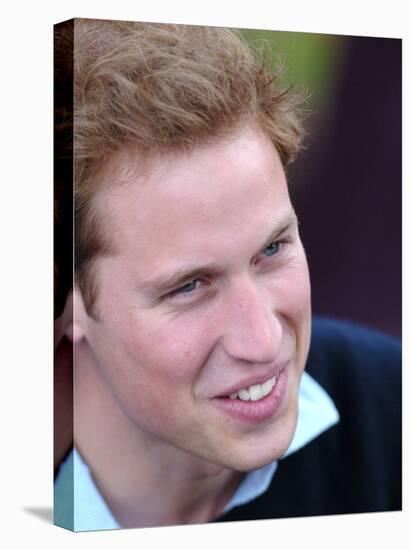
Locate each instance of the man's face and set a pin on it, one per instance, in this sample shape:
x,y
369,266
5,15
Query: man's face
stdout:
x,y
207,294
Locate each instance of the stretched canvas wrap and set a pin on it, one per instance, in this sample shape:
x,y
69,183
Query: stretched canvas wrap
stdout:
x,y
199,376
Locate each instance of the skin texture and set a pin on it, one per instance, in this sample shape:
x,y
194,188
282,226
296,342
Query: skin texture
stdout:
x,y
148,370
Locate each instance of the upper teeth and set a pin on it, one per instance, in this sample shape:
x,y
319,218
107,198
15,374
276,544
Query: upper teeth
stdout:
x,y
255,392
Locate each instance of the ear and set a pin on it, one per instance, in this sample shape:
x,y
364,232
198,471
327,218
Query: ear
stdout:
x,y
74,316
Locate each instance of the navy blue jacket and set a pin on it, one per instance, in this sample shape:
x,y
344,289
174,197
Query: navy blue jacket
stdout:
x,y
354,466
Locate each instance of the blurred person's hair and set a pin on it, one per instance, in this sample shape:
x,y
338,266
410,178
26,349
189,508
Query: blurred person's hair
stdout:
x,y
150,90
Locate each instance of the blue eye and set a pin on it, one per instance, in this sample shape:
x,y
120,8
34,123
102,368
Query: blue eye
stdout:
x,y
187,288
272,249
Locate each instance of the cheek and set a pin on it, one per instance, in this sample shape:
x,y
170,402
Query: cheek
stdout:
x,y
293,303
301,283
164,364
293,290
172,352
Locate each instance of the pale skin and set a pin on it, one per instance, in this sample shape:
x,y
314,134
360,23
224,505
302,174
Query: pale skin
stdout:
x,y
208,288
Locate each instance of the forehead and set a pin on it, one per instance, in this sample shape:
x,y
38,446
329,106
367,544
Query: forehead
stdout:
x,y
185,205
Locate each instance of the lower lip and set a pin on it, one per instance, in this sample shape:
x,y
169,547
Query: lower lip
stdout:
x,y
256,411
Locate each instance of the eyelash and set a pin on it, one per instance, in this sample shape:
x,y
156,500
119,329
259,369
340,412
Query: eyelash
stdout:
x,y
181,292
277,243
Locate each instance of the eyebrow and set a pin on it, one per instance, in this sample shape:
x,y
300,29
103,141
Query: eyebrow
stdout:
x,y
169,281
285,225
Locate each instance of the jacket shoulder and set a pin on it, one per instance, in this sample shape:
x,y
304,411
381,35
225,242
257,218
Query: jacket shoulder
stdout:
x,y
365,362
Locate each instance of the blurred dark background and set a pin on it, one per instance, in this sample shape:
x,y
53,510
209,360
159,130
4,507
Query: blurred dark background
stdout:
x,y
346,185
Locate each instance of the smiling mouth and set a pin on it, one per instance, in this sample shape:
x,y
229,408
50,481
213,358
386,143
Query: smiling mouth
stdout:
x,y
255,392
258,402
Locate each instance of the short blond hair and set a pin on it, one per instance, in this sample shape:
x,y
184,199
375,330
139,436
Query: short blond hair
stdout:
x,y
159,89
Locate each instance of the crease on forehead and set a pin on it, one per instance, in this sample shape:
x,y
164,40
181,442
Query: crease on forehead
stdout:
x,y
129,163
130,167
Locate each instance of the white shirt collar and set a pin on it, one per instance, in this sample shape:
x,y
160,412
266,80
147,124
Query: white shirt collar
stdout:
x,y
79,506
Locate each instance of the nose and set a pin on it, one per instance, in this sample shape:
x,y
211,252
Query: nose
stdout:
x,y
252,329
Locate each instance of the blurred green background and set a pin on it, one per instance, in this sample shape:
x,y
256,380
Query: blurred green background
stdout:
x,y
311,61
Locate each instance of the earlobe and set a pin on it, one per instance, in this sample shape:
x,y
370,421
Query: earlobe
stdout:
x,y
74,332
74,315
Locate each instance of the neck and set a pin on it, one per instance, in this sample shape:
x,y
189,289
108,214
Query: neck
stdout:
x,y
144,481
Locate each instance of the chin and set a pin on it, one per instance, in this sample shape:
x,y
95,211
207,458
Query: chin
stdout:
x,y
255,458
248,464
273,448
